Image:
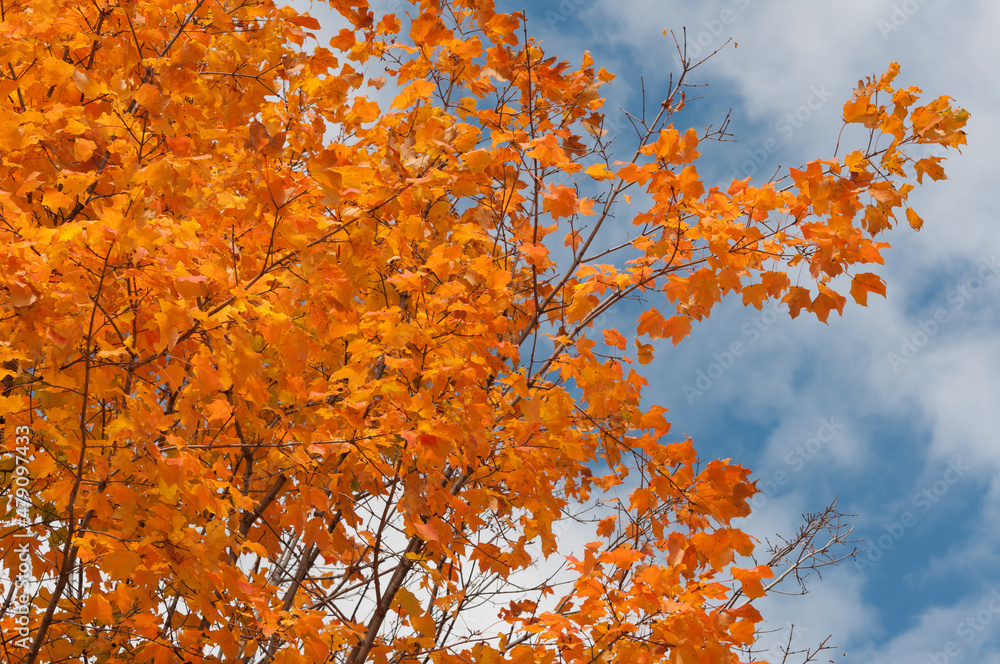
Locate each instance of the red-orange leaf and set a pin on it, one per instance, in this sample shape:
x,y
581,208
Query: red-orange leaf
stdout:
x,y
865,283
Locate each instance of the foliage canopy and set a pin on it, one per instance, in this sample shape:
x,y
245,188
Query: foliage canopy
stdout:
x,y
299,374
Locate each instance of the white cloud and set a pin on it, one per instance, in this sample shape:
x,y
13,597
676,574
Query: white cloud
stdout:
x,y
958,633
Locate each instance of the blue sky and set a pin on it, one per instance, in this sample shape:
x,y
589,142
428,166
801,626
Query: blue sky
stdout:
x,y
894,407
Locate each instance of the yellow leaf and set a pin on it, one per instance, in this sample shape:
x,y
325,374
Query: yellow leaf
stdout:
x,y
21,294
56,200
83,149
57,69
478,160
405,602
855,161
114,354
411,94
599,172
89,84
367,110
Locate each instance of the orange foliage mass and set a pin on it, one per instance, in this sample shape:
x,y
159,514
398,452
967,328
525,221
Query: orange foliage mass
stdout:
x,y
304,381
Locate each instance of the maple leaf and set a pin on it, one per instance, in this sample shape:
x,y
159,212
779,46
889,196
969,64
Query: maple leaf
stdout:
x,y
97,609
865,283
560,201
751,579
929,166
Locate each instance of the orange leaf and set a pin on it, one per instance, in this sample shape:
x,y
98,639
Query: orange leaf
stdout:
x,y
606,526
614,339
645,352
677,328
865,283
798,298
930,166
825,301
305,21
751,579
413,93
634,173
426,532
477,161
560,201
83,149
96,609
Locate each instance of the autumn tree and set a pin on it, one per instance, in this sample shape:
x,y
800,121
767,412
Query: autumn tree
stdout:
x,y
295,373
